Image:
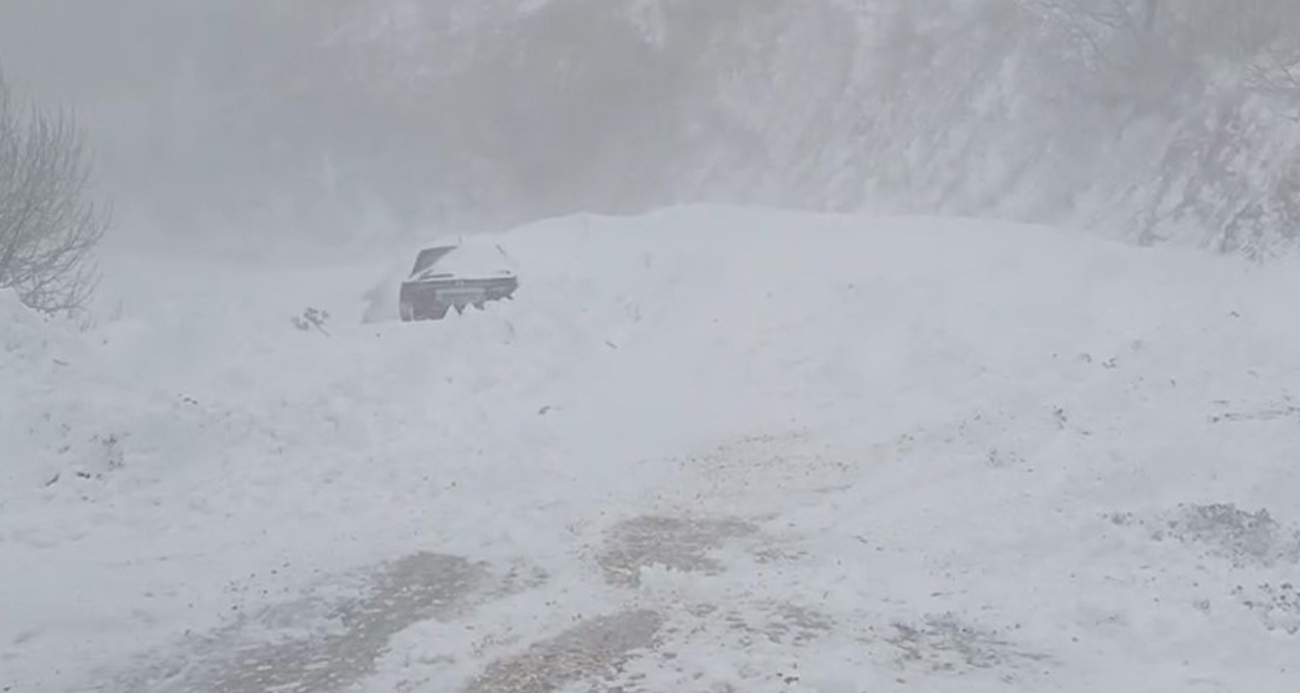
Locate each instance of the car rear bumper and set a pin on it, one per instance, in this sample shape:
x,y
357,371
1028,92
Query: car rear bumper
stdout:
x,y
431,300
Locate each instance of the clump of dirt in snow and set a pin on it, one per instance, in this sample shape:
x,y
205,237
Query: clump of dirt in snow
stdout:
x,y
1253,540
1228,532
1278,606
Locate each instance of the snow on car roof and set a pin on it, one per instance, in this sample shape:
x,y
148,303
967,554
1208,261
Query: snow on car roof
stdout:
x,y
468,256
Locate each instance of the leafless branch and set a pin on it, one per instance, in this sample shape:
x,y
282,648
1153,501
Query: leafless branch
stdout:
x,y
48,223
1276,74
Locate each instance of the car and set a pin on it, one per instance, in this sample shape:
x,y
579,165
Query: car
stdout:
x,y
456,274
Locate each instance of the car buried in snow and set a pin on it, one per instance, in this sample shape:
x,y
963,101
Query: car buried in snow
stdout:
x,y
456,274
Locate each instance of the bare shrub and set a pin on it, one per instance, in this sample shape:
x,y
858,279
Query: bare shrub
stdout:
x,y
1155,50
48,224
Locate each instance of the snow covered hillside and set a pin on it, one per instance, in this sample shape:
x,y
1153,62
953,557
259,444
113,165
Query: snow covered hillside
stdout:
x,y
707,449
1153,120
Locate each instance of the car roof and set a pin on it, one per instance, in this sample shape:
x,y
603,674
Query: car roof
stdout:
x,y
467,255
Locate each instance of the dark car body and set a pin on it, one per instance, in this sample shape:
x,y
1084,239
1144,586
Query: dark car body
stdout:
x,y
456,275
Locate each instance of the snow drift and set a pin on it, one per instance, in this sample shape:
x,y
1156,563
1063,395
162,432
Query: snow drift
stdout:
x,y
704,448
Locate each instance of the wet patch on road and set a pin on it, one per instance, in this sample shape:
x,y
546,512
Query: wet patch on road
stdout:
x,y
675,543
311,646
596,648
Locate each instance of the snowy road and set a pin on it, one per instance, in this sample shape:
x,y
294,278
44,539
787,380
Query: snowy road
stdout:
x,y
708,450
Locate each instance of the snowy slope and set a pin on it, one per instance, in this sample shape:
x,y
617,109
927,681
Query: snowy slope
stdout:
x,y
707,449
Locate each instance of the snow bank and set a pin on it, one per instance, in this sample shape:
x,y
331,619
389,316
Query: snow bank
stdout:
x,y
26,335
39,363
76,429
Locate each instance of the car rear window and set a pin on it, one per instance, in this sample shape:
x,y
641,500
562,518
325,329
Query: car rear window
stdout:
x,y
428,256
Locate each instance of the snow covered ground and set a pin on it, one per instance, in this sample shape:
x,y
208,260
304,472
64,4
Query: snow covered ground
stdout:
x,y
704,450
